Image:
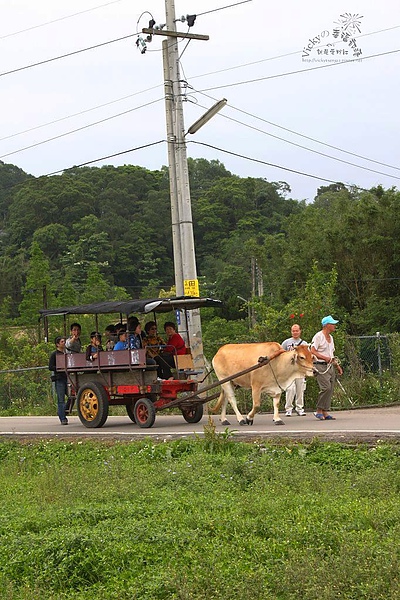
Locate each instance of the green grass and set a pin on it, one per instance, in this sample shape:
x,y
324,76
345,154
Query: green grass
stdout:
x,y
205,519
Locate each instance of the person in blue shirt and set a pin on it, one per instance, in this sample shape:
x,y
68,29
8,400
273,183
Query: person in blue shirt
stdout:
x,y
122,343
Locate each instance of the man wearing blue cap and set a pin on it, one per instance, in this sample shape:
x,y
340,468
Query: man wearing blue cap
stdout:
x,y
323,348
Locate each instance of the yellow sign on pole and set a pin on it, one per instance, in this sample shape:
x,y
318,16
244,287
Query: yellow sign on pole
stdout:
x,y
191,287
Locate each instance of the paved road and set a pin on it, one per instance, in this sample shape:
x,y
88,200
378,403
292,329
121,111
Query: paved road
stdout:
x,y
358,425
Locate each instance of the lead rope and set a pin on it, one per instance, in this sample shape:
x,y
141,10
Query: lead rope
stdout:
x,y
335,360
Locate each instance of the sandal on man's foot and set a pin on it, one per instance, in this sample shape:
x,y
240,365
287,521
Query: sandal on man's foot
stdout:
x,y
330,418
319,416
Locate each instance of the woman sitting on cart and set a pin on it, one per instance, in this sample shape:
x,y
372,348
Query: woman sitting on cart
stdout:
x,y
155,347
165,359
175,342
154,343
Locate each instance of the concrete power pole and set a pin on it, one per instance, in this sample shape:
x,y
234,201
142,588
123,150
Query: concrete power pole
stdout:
x,y
181,210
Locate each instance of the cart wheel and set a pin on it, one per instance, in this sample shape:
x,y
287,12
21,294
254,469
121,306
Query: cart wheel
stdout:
x,y
144,413
130,409
192,414
92,405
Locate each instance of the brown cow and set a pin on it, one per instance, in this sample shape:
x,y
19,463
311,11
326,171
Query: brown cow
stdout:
x,y
273,378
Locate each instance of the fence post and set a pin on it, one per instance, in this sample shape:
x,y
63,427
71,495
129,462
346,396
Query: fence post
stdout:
x,y
378,346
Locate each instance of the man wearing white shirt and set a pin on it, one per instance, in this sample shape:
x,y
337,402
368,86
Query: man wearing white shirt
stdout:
x,y
323,348
295,391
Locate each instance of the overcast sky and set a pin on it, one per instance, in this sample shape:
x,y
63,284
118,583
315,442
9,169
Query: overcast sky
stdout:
x,y
352,106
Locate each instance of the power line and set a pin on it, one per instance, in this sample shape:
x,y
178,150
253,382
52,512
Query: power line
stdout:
x,y
82,112
220,87
303,147
257,62
59,19
90,162
302,135
250,64
43,62
30,66
206,75
315,140
263,162
56,137
207,12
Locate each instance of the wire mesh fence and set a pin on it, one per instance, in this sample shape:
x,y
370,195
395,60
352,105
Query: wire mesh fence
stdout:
x,y
370,353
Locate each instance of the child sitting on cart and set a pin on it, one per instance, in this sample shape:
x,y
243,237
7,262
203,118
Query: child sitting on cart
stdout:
x,y
92,351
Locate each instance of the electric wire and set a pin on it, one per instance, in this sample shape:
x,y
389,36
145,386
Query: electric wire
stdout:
x,y
56,137
229,85
82,112
220,87
186,45
263,162
214,10
251,159
303,147
307,137
256,62
207,12
90,162
48,60
206,75
2,37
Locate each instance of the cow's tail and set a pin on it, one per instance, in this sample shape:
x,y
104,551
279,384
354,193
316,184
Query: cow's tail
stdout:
x,y
220,400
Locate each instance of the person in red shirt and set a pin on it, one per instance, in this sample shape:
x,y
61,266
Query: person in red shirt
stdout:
x,y
175,342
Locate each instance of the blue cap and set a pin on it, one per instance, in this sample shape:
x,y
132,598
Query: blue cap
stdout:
x,y
329,320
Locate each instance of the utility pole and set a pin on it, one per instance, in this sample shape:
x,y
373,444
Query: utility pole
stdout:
x,y
186,281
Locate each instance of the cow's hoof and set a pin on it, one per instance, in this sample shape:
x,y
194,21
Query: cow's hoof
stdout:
x,y
249,421
226,422
242,422
278,422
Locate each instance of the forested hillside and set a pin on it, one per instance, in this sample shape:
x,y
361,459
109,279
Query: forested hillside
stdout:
x,y
102,233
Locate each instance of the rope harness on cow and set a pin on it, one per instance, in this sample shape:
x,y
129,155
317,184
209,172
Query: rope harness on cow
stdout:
x,y
268,361
273,373
276,380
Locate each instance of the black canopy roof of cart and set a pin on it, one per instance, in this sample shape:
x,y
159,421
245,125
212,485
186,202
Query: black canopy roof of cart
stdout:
x,y
126,307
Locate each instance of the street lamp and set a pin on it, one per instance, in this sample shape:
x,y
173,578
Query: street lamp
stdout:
x,y
209,114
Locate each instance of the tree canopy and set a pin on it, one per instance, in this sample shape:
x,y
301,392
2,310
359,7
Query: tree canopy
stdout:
x,y
106,232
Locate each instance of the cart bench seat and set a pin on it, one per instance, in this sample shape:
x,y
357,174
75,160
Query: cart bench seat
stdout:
x,y
107,360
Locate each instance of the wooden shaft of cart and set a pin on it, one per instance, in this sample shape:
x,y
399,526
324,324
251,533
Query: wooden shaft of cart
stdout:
x,y
262,361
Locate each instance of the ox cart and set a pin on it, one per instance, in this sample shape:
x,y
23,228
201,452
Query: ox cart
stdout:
x,y
123,377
